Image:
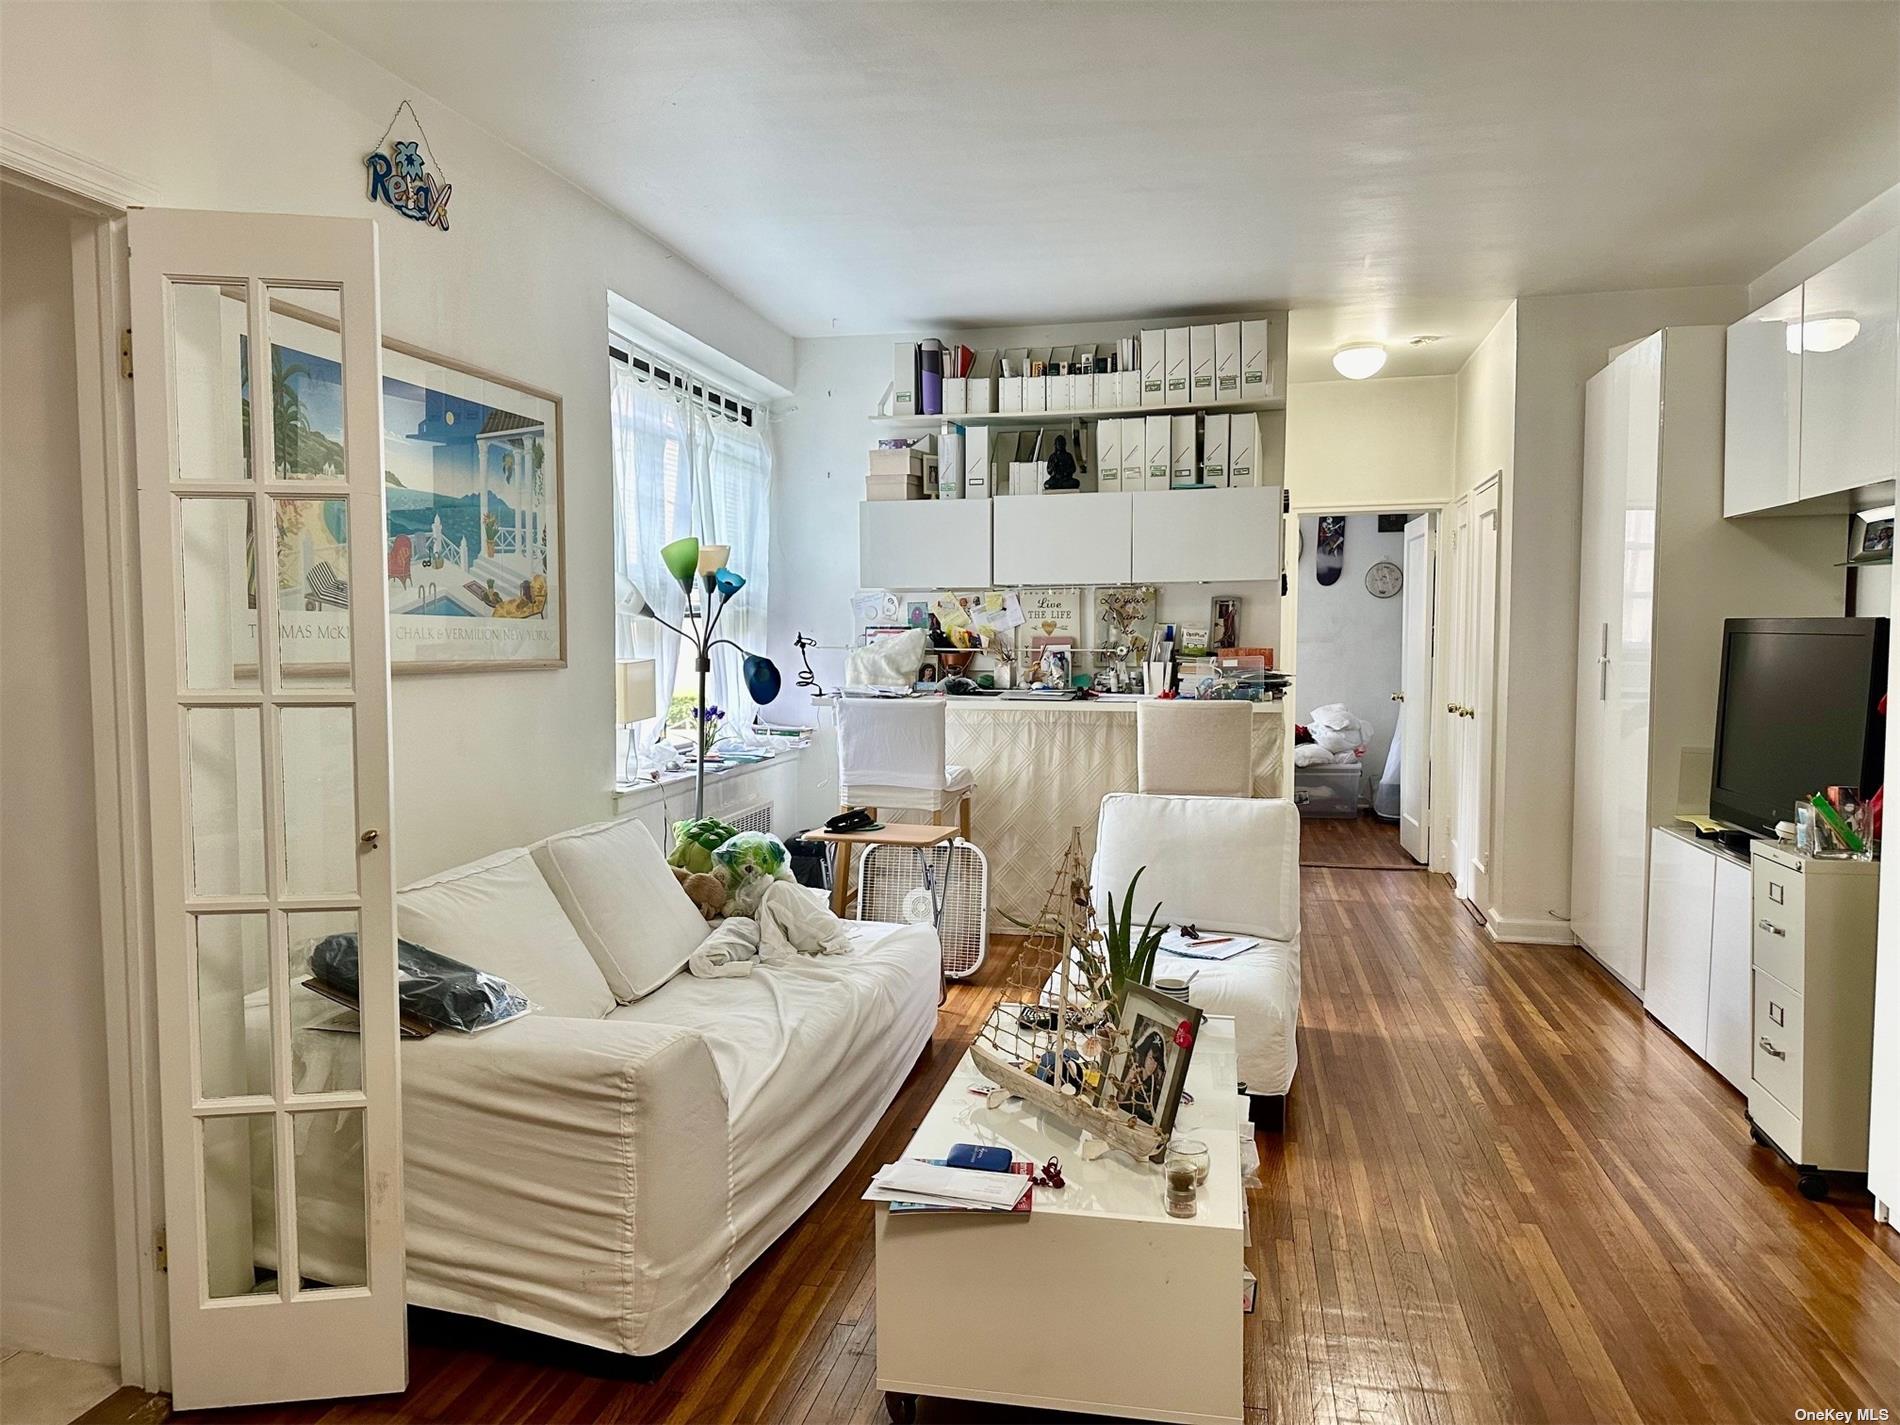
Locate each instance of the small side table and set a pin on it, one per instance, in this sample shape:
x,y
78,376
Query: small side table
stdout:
x,y
919,837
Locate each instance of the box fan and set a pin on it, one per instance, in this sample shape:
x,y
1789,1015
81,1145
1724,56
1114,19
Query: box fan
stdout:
x,y
903,884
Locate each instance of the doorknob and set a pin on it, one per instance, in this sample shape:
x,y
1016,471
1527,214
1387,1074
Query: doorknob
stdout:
x,y
370,837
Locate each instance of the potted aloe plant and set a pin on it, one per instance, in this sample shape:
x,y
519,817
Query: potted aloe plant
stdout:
x,y
1129,958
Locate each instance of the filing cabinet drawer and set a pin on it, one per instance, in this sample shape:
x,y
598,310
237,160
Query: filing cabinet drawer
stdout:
x,y
1777,1052
1779,902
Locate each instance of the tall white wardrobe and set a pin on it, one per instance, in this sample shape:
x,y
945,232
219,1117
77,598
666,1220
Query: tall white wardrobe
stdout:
x,y
1661,569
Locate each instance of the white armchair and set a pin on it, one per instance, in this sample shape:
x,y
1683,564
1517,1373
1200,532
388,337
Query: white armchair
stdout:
x,y
1222,864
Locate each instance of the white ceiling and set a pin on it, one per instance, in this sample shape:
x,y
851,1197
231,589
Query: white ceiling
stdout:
x,y
873,167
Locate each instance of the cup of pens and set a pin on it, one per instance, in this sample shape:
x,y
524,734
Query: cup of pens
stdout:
x,y
1836,825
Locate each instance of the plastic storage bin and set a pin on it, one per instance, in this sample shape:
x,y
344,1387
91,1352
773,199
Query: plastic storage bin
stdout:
x,y
1328,791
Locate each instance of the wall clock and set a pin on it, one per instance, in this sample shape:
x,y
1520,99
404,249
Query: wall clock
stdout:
x,y
1384,579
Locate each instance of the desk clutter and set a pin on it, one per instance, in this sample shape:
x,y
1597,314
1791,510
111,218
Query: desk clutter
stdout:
x,y
1212,363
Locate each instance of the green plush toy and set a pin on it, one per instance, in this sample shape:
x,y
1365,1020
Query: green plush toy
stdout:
x,y
695,841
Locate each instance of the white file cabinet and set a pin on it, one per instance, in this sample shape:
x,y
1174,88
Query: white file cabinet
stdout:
x,y
1811,1067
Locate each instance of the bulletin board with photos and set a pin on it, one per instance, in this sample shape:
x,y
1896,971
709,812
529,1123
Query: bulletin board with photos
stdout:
x,y
1049,635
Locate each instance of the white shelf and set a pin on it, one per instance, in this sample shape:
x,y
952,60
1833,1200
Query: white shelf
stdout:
x,y
1089,413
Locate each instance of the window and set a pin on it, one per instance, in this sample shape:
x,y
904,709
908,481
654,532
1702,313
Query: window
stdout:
x,y
688,460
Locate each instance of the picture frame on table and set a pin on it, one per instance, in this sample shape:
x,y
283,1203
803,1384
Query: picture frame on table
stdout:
x,y
1154,1044
1223,622
474,550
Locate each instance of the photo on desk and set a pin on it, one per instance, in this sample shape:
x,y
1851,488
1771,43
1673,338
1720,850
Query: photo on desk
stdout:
x,y
1154,1043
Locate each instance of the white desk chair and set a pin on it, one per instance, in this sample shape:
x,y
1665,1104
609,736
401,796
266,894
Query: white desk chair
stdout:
x,y
891,754
1194,748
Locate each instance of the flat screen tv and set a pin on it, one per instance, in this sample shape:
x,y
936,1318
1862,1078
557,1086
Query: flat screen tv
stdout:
x,y
1798,711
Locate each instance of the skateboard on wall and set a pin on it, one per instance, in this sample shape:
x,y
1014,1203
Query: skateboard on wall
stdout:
x,y
1330,557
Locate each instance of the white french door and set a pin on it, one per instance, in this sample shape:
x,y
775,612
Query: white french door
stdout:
x,y
1415,684
261,539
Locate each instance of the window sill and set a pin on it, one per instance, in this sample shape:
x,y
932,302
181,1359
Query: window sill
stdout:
x,y
651,788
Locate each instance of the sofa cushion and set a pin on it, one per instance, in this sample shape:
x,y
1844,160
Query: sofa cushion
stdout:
x,y
624,901
498,915
1226,863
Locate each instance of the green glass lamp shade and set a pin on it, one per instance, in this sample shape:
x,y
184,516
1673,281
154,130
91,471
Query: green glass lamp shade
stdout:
x,y
761,678
682,559
729,583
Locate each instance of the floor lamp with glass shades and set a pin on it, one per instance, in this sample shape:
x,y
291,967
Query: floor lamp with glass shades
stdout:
x,y
687,559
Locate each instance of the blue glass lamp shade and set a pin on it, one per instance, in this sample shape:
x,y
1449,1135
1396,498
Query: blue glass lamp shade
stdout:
x,y
729,583
761,678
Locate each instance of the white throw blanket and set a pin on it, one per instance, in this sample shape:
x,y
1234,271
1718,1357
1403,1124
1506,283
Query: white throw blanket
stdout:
x,y
790,921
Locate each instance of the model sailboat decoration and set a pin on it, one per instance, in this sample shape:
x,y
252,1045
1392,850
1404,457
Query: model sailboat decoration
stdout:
x,y
1055,1038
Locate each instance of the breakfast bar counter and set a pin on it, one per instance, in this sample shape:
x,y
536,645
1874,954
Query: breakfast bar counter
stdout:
x,y
1042,768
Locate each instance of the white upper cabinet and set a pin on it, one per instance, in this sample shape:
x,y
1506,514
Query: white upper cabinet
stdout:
x,y
1062,539
1211,536
1847,370
924,544
1762,430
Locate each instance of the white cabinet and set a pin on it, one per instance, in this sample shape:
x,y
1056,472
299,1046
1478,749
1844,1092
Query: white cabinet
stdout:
x,y
1762,429
1062,539
1848,370
1697,985
1681,922
1660,569
1210,536
1730,937
924,544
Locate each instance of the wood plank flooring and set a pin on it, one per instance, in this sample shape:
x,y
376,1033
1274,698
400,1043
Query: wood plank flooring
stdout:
x,y
1503,1195
1360,843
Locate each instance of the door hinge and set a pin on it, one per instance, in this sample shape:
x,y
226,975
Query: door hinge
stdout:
x,y
125,353
159,1259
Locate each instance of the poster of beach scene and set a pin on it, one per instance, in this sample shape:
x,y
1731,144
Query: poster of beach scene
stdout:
x,y
472,491
472,481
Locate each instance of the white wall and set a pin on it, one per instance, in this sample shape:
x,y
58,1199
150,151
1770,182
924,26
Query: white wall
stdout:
x,y
822,433
1383,444
1348,640
1561,342
1486,399
58,1292
247,107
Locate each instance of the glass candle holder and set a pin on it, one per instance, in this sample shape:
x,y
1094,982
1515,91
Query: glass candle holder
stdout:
x,y
1192,1151
1179,1175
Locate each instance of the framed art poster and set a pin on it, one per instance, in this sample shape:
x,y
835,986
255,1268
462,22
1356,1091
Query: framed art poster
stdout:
x,y
472,481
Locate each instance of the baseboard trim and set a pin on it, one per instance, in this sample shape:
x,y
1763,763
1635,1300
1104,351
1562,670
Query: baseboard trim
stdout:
x,y
1543,931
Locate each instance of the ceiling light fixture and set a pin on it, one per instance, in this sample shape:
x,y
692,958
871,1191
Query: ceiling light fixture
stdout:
x,y
1822,334
1357,362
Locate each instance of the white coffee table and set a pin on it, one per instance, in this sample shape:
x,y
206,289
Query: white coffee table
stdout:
x,y
1096,1300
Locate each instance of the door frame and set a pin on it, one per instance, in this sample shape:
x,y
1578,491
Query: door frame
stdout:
x,y
1289,660
98,199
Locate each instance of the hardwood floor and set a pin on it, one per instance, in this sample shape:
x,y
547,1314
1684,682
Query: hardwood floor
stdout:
x,y
1359,843
1503,1195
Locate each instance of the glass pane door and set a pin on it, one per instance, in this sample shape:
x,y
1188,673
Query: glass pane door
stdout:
x,y
258,402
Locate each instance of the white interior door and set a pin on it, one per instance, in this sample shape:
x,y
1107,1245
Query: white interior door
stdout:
x,y
1458,622
1415,687
267,702
1481,680
1599,564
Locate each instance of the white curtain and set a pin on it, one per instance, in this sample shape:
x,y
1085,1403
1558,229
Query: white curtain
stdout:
x,y
734,504
679,471
653,506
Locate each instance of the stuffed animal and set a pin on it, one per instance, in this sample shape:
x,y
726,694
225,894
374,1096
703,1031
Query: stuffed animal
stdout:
x,y
695,841
705,890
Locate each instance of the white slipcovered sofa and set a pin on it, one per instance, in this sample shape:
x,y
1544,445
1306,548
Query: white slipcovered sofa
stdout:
x,y
1221,864
603,1169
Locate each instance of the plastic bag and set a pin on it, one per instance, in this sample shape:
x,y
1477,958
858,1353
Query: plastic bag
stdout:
x,y
750,862
432,987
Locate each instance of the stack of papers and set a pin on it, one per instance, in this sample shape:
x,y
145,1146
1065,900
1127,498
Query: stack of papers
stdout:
x,y
932,1185
1209,945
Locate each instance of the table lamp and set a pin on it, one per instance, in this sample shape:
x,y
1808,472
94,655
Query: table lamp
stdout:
x,y
635,699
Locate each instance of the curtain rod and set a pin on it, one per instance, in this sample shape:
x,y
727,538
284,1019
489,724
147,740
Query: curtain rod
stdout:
x,y
684,381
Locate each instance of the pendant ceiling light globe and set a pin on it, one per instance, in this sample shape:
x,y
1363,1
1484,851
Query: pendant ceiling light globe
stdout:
x,y
761,678
682,559
1358,362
